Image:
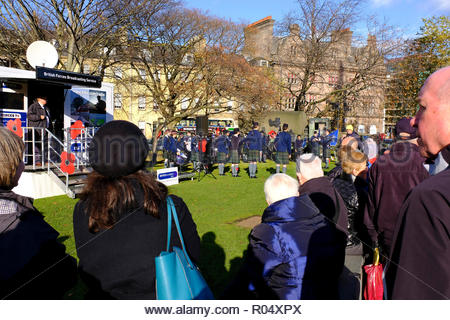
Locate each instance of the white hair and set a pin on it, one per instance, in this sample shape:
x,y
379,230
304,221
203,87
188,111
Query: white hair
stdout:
x,y
280,186
309,166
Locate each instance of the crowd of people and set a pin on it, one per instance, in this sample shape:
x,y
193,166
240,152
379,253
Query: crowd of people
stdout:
x,y
181,148
397,200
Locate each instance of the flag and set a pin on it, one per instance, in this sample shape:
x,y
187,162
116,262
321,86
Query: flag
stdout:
x,y
334,135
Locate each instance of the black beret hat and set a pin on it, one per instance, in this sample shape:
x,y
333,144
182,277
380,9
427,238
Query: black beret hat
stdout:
x,y
119,148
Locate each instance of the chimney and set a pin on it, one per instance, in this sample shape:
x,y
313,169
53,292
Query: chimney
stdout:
x,y
371,41
294,29
346,37
258,38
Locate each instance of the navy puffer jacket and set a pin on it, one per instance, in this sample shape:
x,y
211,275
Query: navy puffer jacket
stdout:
x,y
295,253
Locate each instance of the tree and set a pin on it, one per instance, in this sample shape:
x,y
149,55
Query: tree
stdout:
x,y
325,70
81,30
191,65
420,57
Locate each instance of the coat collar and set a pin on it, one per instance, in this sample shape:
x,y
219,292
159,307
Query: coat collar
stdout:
x,y
290,209
25,203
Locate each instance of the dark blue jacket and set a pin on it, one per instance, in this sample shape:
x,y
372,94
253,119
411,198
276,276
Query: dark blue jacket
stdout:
x,y
172,145
222,143
254,140
326,140
298,145
180,145
283,142
295,253
194,144
166,143
315,141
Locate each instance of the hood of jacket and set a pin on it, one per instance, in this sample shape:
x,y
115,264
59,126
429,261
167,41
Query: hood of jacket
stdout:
x,y
291,209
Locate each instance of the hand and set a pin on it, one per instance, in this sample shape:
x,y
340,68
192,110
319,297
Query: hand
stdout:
x,y
42,117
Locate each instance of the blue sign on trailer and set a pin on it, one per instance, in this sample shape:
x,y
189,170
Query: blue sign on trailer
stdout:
x,y
5,116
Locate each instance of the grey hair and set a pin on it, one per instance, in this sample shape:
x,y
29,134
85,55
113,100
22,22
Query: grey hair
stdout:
x,y
280,186
309,166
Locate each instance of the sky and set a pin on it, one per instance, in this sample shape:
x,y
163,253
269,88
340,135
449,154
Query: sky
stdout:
x,y
404,15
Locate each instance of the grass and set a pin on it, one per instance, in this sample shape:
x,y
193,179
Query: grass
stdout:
x,y
214,204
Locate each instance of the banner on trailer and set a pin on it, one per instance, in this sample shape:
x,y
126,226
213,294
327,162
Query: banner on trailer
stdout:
x,y
94,107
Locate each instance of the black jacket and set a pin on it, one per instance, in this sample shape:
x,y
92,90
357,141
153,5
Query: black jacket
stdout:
x,y
327,200
33,264
391,178
355,198
34,114
120,262
420,260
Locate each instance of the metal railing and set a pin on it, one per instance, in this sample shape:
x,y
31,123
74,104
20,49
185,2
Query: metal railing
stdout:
x,y
79,145
54,152
34,139
43,149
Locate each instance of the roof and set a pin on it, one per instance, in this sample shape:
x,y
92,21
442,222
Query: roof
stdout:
x,y
259,21
13,73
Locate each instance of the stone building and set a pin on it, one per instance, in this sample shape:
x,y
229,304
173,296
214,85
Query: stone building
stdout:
x,y
341,65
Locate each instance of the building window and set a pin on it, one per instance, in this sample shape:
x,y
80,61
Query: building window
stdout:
x,y
293,50
332,80
117,101
230,106
184,76
141,103
361,129
188,58
291,79
118,72
141,125
86,69
311,98
142,74
184,104
147,55
290,102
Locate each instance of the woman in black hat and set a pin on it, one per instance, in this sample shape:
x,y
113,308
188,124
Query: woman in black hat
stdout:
x,y
120,223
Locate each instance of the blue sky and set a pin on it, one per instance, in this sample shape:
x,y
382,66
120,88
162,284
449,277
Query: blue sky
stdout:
x,y
403,14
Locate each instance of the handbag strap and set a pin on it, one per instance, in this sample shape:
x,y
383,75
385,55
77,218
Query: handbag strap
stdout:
x,y
172,214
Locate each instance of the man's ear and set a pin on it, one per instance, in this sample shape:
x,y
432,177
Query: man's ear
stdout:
x,y
300,178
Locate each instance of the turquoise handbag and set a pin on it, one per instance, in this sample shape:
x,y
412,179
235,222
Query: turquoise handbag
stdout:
x,y
177,278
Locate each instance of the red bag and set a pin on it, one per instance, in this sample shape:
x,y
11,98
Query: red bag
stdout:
x,y
374,286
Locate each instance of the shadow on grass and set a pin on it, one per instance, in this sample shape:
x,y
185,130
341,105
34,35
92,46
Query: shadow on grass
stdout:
x,y
62,239
212,265
271,170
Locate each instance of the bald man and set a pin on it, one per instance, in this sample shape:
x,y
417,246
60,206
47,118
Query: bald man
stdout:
x,y
420,260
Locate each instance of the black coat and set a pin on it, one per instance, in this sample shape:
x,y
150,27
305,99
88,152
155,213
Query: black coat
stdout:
x,y
327,200
355,198
33,264
120,262
420,260
34,114
391,178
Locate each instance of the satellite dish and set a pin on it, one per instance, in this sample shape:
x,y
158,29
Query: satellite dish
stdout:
x,y
42,54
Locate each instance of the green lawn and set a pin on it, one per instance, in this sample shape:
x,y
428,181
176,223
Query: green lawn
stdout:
x,y
214,204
